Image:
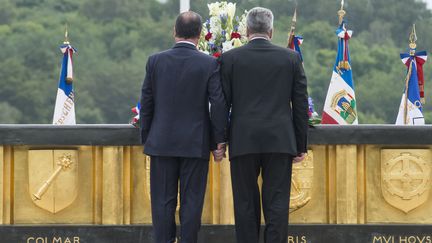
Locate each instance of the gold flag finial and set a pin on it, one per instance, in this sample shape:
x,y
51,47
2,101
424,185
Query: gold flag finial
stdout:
x,y
341,12
66,41
293,26
413,39
294,19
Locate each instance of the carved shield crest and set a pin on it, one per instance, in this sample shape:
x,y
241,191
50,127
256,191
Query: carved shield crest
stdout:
x,y
53,178
301,183
405,177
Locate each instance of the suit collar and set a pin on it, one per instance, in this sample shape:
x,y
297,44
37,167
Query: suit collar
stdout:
x,y
184,45
259,38
259,41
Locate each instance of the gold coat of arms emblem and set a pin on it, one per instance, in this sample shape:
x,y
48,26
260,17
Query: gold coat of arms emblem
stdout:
x,y
405,177
53,178
301,183
344,104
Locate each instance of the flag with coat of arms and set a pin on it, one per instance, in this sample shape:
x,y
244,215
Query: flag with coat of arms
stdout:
x,y
340,106
64,111
411,106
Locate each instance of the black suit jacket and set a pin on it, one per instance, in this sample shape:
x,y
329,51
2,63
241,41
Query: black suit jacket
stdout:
x,y
265,86
175,118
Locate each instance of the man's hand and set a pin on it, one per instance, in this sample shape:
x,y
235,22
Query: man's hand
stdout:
x,y
219,153
299,158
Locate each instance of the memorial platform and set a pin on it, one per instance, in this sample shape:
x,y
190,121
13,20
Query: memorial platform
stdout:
x,y
359,183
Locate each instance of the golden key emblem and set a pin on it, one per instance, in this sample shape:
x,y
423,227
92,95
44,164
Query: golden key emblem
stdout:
x,y
64,164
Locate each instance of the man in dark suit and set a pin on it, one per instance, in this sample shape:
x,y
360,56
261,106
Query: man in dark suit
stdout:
x,y
265,86
178,130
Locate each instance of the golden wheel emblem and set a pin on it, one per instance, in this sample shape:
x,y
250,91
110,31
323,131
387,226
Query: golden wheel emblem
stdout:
x,y
407,176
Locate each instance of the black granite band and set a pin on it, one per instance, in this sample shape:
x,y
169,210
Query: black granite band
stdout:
x,y
218,233
102,134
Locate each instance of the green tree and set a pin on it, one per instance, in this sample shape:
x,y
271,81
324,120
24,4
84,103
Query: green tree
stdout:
x,y
115,37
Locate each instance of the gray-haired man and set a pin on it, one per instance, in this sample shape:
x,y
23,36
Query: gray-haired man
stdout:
x,y
265,86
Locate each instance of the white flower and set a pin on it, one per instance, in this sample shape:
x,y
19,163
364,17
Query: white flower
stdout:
x,y
242,30
214,8
242,25
212,39
230,10
215,25
228,36
221,24
237,43
222,9
226,46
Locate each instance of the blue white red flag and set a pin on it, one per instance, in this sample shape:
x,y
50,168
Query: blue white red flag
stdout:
x,y
411,106
64,112
340,104
136,111
295,45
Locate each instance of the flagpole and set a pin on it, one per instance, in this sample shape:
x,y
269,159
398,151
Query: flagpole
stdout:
x,y
412,46
293,26
64,109
184,5
406,94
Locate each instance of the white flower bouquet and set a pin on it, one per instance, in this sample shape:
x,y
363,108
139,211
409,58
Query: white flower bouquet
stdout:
x,y
223,30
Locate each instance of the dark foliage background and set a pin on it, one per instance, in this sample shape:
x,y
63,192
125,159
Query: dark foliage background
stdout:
x,y
115,37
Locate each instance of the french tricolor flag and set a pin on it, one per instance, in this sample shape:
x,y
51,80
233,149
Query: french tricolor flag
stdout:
x,y
64,112
295,45
136,111
411,106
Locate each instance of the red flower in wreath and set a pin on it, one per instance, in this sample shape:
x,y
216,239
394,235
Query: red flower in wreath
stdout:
x,y
208,36
235,35
217,54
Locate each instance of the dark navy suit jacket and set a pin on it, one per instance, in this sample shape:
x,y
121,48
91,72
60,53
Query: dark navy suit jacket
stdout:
x,y
175,117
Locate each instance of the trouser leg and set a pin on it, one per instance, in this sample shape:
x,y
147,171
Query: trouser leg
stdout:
x,y
276,174
193,182
164,174
247,207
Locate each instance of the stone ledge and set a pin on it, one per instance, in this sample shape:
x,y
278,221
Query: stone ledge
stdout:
x,y
124,134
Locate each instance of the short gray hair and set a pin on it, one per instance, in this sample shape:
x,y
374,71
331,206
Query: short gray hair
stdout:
x,y
260,20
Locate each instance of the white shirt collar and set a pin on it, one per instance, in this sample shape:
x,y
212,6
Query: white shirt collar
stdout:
x,y
186,42
259,37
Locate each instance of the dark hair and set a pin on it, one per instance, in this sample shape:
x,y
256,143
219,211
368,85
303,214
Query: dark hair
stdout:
x,y
188,25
